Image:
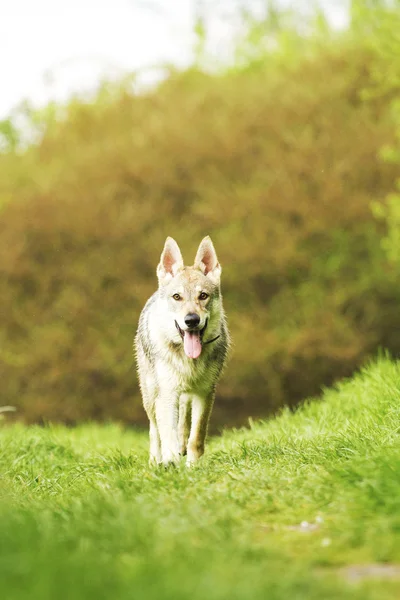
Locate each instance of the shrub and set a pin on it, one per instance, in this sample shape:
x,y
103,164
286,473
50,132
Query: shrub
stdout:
x,y
280,169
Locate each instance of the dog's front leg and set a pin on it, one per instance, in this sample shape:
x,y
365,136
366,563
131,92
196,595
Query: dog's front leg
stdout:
x,y
185,412
201,410
167,423
155,445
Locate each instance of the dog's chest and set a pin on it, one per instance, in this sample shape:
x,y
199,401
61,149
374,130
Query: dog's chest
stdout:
x,y
184,373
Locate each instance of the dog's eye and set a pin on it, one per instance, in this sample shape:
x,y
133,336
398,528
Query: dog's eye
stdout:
x,y
177,297
203,296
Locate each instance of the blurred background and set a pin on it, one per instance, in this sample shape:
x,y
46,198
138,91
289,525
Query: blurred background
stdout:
x,y
272,126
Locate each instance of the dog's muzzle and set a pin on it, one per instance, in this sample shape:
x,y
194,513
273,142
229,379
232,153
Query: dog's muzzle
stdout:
x,y
182,332
201,331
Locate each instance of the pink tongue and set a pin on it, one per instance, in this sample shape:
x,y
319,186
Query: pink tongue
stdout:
x,y
192,344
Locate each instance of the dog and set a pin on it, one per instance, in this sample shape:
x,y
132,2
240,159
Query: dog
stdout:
x,y
181,345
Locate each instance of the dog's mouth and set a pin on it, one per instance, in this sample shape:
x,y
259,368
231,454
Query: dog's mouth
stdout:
x,y
192,340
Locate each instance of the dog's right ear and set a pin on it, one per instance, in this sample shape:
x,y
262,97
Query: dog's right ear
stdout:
x,y
171,261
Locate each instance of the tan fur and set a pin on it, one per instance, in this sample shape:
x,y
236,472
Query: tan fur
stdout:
x,y
178,391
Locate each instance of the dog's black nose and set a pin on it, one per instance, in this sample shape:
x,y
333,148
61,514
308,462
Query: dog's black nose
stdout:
x,y
192,320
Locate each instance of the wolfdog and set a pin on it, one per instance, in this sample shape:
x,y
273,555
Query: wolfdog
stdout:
x,y
181,347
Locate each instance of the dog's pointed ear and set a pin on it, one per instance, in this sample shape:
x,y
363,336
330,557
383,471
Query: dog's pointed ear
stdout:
x,y
171,261
206,260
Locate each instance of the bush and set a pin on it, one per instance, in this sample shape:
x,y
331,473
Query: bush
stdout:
x,y
383,28
280,169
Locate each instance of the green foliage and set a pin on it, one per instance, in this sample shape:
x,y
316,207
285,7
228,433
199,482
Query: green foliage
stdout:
x,y
264,33
293,508
9,136
278,165
380,21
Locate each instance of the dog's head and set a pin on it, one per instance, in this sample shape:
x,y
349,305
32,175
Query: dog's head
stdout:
x,y
192,294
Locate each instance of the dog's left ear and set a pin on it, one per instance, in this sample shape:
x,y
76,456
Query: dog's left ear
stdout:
x,y
206,260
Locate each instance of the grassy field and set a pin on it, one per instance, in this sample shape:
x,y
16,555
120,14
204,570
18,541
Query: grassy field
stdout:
x,y
304,506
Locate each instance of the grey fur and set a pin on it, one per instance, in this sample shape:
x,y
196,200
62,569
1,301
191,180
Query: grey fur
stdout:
x,y
178,391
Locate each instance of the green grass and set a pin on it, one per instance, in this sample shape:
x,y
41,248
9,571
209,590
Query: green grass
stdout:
x,y
83,516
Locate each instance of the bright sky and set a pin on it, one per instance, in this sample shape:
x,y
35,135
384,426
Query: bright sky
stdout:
x,y
50,49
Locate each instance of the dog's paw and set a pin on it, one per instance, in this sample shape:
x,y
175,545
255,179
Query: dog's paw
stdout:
x,y
191,461
169,466
170,460
194,453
